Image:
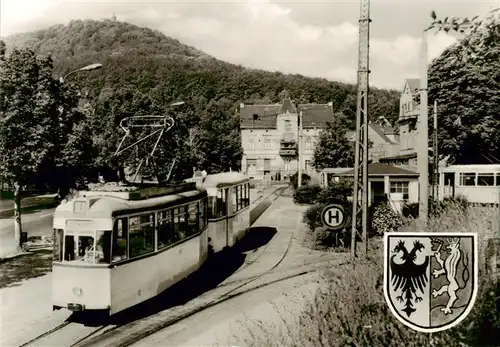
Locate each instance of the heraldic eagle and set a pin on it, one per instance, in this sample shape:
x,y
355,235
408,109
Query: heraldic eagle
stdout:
x,y
408,276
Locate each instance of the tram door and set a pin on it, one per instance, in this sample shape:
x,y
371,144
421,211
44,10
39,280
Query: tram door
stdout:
x,y
449,184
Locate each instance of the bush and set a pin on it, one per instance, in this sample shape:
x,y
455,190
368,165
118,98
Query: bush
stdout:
x,y
294,179
306,194
385,219
410,210
312,216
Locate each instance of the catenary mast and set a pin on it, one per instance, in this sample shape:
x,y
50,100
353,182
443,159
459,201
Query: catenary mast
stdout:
x,y
360,214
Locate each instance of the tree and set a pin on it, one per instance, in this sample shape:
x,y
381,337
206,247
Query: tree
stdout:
x,y
465,81
333,148
37,114
218,140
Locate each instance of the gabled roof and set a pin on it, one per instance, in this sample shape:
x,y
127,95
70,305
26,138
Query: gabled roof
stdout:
x,y
414,84
379,169
264,116
259,116
316,115
381,131
287,106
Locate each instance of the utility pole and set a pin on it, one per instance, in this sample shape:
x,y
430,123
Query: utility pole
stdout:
x,y
423,135
299,144
459,26
435,181
360,222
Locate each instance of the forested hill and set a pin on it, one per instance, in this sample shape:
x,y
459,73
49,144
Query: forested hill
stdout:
x,y
148,64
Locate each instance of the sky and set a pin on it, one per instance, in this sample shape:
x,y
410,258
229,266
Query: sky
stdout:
x,y
312,38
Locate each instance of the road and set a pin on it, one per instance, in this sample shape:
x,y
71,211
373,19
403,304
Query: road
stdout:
x,y
35,224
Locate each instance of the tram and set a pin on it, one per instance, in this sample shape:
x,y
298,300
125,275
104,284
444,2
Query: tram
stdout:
x,y
115,249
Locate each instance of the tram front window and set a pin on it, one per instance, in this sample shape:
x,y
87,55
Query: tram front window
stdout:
x,y
83,248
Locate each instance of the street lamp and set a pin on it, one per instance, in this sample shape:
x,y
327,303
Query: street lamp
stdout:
x,y
456,25
90,67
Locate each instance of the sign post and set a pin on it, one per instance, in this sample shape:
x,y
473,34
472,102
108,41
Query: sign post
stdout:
x,y
333,217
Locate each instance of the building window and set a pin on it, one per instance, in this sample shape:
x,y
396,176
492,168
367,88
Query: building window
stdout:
x,y
467,178
498,179
267,164
308,165
267,143
400,187
251,144
251,164
287,165
308,143
288,126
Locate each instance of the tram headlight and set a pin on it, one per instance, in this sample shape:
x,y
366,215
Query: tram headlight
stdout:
x,y
77,291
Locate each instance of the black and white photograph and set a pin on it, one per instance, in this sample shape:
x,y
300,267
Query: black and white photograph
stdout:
x,y
249,173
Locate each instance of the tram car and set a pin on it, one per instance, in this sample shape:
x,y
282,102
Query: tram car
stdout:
x,y
227,223
114,249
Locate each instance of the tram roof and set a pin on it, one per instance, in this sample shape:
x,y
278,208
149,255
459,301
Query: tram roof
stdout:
x,y
106,206
472,168
224,179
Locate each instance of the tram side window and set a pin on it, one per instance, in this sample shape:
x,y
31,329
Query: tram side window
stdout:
x,y
235,198
467,178
192,220
247,194
119,241
486,179
239,198
212,207
103,247
221,202
141,235
166,235
180,223
243,196
57,250
203,212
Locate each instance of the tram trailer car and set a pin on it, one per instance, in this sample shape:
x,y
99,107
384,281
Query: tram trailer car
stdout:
x,y
114,250
227,223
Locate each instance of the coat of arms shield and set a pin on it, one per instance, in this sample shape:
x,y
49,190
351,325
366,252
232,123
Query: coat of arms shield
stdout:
x,y
430,279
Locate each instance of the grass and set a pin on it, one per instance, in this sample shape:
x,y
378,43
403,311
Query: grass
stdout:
x,y
24,267
349,309
31,205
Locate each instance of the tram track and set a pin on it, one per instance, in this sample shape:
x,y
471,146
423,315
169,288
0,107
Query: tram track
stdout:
x,y
277,194
67,334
